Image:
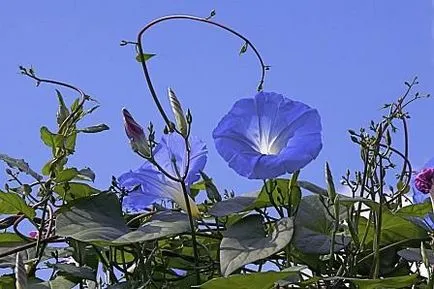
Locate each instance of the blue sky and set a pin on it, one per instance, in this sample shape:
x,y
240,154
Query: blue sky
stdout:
x,y
345,58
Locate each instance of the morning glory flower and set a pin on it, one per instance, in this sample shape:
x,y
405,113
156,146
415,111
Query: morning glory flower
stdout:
x,y
151,184
422,190
268,135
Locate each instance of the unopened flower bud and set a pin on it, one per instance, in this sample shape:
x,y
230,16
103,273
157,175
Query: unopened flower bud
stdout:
x,y
181,123
135,133
424,180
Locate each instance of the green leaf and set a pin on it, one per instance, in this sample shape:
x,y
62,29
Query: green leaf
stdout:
x,y
231,206
11,203
416,210
262,280
244,48
66,175
393,229
73,190
391,282
330,184
47,137
95,128
246,242
70,142
7,282
70,270
21,165
161,225
211,190
144,57
312,188
8,239
93,219
87,174
314,226
62,110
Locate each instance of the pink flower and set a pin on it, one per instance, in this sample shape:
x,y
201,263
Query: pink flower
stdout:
x,y
424,180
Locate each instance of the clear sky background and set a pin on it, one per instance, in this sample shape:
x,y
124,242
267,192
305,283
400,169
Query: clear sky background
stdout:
x,y
345,58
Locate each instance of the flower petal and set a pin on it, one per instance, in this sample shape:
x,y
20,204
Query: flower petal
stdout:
x,y
418,196
269,135
172,148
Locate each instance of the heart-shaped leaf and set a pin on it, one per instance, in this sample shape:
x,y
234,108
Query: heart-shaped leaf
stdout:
x,y
246,242
162,224
94,219
314,226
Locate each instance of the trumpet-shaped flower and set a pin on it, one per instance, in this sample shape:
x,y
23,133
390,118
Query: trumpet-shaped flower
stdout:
x,y
151,184
268,135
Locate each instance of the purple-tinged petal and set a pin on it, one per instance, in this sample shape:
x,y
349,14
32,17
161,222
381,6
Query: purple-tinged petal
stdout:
x,y
269,135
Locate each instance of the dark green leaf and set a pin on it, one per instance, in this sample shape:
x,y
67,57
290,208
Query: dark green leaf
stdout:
x,y
11,203
21,165
72,190
144,57
416,210
47,137
9,239
314,226
231,206
87,174
244,48
93,219
62,110
161,225
312,188
94,128
246,242
330,184
70,270
70,142
262,280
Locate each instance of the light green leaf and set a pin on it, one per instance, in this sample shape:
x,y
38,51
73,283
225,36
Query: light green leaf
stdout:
x,y
7,282
391,282
246,242
393,229
73,190
262,280
66,175
144,57
11,203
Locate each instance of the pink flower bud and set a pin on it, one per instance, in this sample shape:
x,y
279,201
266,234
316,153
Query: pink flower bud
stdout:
x,y
424,180
33,234
135,133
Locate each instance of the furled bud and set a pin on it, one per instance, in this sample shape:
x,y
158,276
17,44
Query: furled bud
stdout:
x,y
20,273
181,122
424,180
135,133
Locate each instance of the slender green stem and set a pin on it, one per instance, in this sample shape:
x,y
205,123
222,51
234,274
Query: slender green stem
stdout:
x,y
190,18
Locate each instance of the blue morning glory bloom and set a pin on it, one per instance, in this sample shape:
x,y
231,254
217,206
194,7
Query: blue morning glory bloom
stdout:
x,y
268,135
155,185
